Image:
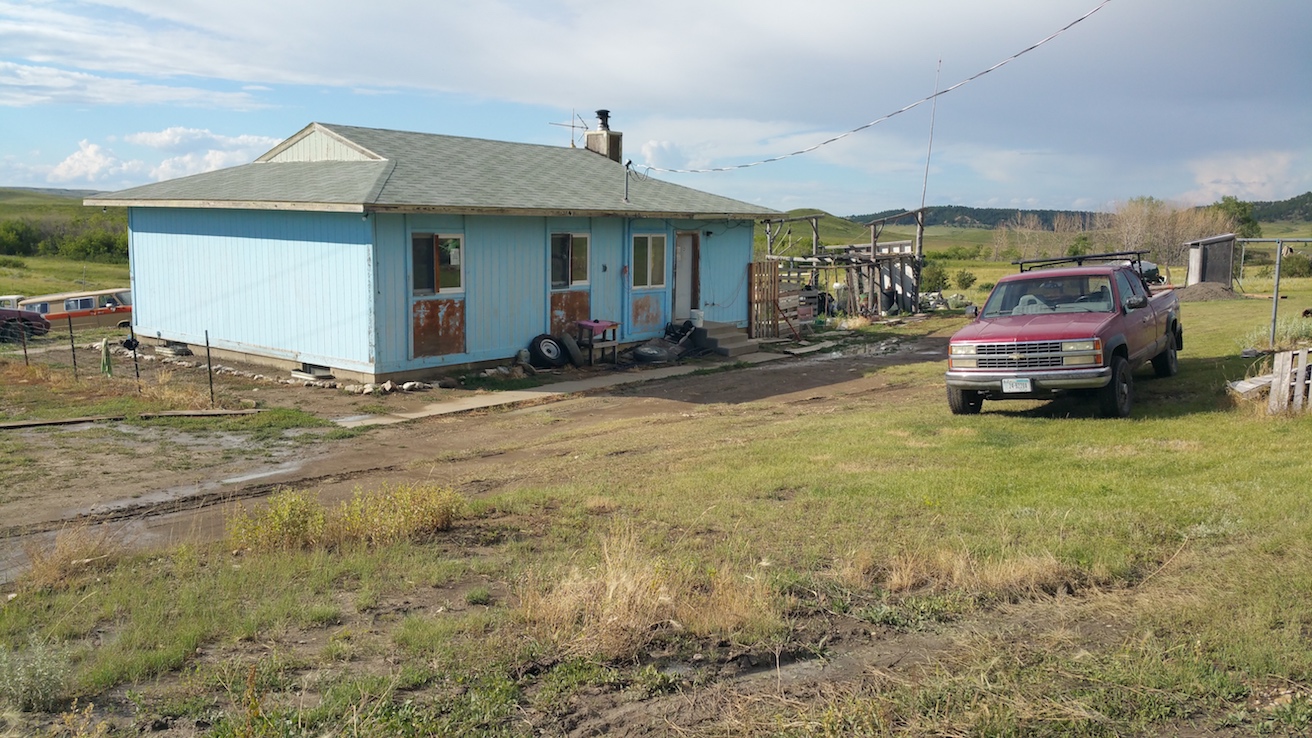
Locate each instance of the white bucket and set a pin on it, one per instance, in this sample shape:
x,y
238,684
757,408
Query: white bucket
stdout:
x,y
696,317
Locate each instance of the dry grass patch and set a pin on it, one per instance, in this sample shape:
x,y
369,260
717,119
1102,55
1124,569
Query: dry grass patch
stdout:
x,y
942,570
75,550
623,604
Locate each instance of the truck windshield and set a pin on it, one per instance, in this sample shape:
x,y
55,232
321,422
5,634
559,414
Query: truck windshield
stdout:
x,y
1072,294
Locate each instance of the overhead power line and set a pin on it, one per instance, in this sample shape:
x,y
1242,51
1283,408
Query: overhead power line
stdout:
x,y
897,112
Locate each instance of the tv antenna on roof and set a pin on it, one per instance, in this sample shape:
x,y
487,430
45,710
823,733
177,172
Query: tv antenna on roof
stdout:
x,y
582,125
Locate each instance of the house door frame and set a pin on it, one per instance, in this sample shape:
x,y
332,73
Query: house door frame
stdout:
x,y
686,289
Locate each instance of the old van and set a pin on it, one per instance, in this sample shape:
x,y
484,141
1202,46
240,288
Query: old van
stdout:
x,y
92,309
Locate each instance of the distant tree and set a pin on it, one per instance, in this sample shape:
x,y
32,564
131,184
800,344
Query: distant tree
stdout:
x,y
1080,246
1162,229
933,278
18,238
1241,214
965,279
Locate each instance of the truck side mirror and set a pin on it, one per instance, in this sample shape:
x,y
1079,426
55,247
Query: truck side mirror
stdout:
x,y
971,311
1134,302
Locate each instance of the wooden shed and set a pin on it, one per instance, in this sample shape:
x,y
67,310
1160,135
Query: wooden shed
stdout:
x,y
382,254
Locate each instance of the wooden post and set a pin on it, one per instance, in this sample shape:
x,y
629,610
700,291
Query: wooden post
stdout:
x,y
209,366
72,346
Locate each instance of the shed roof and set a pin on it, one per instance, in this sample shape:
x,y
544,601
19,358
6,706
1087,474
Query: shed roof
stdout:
x,y
351,169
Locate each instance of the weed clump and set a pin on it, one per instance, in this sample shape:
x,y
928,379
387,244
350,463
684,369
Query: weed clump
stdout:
x,y
35,678
294,519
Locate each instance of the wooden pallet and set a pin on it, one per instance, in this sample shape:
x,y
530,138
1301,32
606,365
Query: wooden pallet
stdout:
x,y
1289,384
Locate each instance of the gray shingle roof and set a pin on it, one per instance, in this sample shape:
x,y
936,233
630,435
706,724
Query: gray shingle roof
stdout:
x,y
436,173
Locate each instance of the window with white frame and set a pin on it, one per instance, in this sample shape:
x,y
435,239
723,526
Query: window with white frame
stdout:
x,y
437,263
649,261
569,260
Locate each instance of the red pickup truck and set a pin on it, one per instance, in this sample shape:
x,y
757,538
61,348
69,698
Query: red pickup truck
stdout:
x,y
1080,324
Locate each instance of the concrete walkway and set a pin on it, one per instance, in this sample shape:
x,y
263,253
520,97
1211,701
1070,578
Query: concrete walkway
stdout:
x,y
556,391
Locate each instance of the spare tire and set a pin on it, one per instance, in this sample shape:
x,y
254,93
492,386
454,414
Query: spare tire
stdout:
x,y
648,354
572,349
547,352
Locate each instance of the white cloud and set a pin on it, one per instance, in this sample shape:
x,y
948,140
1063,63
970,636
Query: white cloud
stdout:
x,y
1265,175
24,85
180,139
90,164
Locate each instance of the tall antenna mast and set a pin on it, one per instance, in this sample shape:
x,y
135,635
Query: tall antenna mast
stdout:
x,y
932,115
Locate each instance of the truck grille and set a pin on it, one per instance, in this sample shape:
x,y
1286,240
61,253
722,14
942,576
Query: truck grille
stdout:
x,y
1029,355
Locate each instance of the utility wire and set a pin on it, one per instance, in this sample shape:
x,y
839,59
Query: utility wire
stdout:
x,y
877,121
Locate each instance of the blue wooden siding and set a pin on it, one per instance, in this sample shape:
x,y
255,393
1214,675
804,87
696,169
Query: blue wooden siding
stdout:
x,y
290,285
336,289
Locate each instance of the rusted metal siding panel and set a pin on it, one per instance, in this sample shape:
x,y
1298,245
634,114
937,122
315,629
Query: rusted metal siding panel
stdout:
x,y
567,308
439,327
647,314
289,285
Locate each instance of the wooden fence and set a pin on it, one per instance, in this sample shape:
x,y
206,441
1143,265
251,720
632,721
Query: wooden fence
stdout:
x,y
1290,382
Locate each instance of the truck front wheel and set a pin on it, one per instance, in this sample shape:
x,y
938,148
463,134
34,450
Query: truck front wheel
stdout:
x,y
1117,398
964,402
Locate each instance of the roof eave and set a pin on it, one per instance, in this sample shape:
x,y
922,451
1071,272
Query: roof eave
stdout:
x,y
567,212
314,207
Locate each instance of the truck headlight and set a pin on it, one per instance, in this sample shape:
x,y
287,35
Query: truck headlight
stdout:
x,y
1092,344
961,349
1085,360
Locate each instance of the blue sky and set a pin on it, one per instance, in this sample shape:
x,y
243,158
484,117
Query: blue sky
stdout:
x,y
1183,100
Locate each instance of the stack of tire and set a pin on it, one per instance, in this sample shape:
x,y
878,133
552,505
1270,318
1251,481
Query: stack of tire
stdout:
x,y
552,352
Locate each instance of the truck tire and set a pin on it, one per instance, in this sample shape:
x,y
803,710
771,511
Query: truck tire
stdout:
x,y
572,349
964,402
1167,363
1117,398
546,352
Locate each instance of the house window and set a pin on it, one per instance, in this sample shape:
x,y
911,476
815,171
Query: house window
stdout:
x,y
437,263
569,260
649,261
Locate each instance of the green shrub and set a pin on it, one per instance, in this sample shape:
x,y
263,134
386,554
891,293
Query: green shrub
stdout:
x,y
295,519
395,513
34,679
964,279
9,262
1295,265
290,519
961,252
933,278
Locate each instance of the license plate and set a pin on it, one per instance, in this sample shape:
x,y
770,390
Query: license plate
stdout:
x,y
1017,385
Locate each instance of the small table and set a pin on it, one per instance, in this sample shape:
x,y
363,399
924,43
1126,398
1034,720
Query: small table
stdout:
x,y
599,335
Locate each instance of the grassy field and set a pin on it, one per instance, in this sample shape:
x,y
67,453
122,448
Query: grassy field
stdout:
x,y
1049,573
43,275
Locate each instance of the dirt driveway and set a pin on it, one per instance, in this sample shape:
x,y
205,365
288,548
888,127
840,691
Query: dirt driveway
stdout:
x,y
157,485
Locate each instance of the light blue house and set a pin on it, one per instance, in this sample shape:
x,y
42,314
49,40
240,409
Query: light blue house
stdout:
x,y
385,254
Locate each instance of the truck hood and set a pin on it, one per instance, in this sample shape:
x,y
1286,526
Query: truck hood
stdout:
x,y
1039,327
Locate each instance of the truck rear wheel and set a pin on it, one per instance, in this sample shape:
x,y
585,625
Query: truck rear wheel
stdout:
x,y
1167,363
1117,398
964,402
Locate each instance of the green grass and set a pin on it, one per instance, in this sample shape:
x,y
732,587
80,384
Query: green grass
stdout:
x,y
42,275
1126,576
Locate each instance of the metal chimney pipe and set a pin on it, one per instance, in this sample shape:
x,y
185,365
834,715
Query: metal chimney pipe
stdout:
x,y
603,120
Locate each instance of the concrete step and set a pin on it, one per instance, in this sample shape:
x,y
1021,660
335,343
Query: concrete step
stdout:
x,y
725,339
